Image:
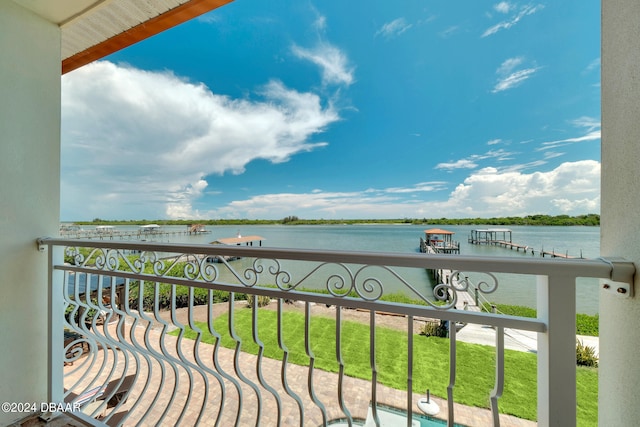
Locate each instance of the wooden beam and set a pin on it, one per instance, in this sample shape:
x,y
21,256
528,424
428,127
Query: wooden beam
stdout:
x,y
169,19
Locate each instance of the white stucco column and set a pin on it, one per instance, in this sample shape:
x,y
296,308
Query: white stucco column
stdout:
x,y
29,197
619,372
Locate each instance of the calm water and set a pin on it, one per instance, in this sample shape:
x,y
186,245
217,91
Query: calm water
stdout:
x,y
513,289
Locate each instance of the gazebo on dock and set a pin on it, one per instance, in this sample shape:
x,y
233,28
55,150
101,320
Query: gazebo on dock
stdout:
x,y
197,228
441,241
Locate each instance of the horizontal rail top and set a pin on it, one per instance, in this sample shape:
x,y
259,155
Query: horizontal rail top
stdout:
x,y
618,270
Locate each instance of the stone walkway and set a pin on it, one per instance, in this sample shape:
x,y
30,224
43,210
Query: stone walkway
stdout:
x,y
191,391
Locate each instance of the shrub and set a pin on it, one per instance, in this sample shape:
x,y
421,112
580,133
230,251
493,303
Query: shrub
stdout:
x,y
201,296
586,355
262,300
433,328
587,325
290,219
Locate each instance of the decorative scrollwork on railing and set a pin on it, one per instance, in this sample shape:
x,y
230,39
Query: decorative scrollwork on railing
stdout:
x,y
159,267
75,347
462,282
370,289
74,253
367,282
192,268
282,277
338,286
208,271
143,259
109,260
447,293
252,274
459,282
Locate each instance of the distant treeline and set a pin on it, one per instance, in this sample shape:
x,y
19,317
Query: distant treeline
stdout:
x,y
590,220
586,220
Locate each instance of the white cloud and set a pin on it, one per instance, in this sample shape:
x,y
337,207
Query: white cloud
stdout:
x,y
522,166
501,155
593,65
448,32
320,23
332,61
509,77
458,164
513,20
494,141
572,188
513,80
141,142
371,203
553,154
509,65
209,18
471,162
590,125
418,188
591,136
503,7
393,28
320,204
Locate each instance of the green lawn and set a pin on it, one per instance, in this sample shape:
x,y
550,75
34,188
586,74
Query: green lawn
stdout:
x,y
586,324
475,363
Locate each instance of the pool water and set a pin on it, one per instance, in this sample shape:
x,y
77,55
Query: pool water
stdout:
x,y
393,417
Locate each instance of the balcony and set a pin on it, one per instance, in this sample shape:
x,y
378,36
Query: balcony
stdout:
x,y
122,352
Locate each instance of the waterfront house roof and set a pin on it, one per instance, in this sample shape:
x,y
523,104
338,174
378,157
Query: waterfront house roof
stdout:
x,y
93,29
238,240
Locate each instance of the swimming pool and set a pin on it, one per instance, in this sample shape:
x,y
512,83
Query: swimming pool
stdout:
x,y
393,417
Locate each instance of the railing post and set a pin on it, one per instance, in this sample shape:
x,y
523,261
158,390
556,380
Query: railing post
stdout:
x,y
56,325
557,351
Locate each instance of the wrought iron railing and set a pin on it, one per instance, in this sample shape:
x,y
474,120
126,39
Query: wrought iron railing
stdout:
x,y
123,351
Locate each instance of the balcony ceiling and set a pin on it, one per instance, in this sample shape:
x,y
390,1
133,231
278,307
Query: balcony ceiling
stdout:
x,y
93,29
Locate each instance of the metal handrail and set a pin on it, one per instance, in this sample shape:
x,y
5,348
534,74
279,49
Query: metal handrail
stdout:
x,y
621,271
558,297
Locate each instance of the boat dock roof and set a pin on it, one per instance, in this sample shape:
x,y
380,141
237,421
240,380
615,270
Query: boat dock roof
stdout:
x,y
438,231
149,226
238,240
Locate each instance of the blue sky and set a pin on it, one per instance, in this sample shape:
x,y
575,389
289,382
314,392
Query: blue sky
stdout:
x,y
342,109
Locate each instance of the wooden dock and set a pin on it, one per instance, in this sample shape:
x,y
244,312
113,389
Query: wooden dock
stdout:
x,y
112,233
490,237
511,245
554,254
